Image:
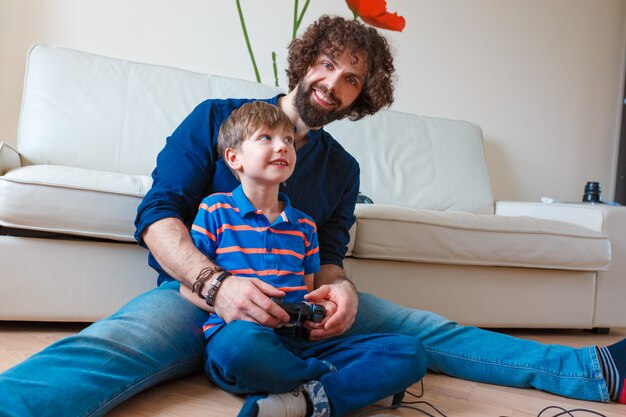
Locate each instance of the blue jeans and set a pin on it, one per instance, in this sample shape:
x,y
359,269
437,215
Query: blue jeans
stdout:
x,y
246,358
158,336
484,356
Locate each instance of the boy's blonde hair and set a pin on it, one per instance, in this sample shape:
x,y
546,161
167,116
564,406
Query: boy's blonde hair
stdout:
x,y
248,118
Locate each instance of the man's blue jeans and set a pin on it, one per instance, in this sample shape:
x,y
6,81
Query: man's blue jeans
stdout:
x,y
246,358
158,336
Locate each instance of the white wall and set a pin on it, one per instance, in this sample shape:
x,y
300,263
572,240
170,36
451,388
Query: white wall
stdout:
x,y
543,78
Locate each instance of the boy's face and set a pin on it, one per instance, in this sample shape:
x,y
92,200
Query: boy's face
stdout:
x,y
329,88
268,156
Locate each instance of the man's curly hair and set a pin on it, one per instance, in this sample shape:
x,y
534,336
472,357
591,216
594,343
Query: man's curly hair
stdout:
x,y
335,35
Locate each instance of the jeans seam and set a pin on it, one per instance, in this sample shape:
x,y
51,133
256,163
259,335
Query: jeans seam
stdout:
x,y
520,366
597,370
147,378
312,352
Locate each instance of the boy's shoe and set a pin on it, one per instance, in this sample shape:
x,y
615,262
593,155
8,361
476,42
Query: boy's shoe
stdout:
x,y
289,404
308,399
320,406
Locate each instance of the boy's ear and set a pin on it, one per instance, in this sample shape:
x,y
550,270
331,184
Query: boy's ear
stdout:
x,y
231,156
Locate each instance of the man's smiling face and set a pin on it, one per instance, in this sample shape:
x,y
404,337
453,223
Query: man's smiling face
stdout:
x,y
329,88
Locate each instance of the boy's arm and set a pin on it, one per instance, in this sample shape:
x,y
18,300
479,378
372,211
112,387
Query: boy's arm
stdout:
x,y
237,299
309,281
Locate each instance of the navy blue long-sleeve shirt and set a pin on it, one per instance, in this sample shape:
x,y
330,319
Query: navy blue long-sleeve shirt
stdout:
x,y
324,185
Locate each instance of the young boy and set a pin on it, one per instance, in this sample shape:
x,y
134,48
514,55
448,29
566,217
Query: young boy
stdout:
x,y
254,232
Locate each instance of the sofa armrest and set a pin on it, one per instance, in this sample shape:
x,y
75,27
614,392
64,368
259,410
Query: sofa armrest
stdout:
x,y
608,219
611,286
9,158
582,214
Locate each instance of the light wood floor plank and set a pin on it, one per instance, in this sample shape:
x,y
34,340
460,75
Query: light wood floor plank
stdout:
x,y
194,396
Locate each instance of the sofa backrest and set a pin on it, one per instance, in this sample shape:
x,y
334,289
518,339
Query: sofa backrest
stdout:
x,y
89,111
421,162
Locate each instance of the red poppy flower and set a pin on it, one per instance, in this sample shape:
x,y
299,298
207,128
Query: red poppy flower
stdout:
x,y
374,12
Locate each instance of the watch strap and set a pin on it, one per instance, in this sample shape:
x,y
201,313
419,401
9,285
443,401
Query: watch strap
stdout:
x,y
215,285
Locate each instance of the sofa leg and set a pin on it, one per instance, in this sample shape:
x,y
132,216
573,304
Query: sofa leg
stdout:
x,y
600,330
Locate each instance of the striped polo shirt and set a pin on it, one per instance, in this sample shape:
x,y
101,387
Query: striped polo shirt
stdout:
x,y
236,236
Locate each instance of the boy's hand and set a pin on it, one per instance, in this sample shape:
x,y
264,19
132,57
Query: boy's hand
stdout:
x,y
341,303
249,299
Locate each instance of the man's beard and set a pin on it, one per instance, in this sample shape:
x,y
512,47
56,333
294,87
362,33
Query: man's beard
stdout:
x,y
311,113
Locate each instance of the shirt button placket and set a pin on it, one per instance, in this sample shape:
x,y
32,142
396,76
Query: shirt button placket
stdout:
x,y
270,245
265,240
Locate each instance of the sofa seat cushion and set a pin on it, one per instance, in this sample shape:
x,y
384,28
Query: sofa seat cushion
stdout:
x,y
72,201
404,234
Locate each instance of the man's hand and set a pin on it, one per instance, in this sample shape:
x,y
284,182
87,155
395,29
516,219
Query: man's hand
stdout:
x,y
340,299
249,299
237,298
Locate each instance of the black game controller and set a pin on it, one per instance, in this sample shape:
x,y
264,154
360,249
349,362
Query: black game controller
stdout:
x,y
298,314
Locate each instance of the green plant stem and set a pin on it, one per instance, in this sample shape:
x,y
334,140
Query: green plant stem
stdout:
x,y
245,35
275,68
295,20
298,21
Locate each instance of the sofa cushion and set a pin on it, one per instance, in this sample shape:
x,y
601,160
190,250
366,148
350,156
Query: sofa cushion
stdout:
x,y
421,162
70,200
9,158
404,234
126,109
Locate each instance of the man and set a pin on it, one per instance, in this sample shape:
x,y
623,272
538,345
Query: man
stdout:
x,y
328,91
337,69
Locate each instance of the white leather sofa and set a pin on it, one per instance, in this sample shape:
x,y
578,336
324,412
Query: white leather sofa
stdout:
x,y
90,129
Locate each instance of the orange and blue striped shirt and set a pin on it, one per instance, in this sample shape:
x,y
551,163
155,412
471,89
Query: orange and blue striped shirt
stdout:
x,y
236,236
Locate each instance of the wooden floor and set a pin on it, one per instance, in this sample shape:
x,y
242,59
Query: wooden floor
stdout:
x,y
193,396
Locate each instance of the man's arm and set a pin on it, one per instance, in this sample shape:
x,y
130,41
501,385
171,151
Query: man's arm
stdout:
x,y
171,245
237,299
339,295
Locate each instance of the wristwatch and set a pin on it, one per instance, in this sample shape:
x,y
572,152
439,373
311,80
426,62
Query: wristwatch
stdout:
x,y
209,298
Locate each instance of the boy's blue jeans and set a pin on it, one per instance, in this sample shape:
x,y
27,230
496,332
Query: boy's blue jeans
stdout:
x,y
246,358
158,336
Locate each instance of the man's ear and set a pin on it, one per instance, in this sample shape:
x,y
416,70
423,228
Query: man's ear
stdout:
x,y
231,156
